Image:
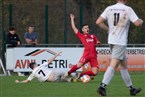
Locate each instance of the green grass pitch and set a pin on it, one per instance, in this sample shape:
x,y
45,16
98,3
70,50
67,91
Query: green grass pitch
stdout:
x,y
117,88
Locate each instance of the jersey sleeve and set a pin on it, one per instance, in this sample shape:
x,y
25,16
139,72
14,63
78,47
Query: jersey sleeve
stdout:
x,y
30,77
132,15
79,35
104,14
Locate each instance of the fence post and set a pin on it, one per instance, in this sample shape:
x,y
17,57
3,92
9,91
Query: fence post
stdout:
x,y
65,21
3,36
81,14
46,24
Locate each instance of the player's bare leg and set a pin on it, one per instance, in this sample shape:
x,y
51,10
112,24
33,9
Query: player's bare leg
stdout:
x,y
73,69
92,72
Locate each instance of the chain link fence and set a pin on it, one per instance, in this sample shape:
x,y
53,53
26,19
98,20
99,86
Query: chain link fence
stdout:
x,y
53,16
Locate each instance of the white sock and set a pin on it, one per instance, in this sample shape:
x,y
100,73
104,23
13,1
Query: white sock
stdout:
x,y
108,75
126,77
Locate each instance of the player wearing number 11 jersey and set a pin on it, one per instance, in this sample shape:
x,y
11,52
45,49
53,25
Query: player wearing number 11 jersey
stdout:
x,y
118,17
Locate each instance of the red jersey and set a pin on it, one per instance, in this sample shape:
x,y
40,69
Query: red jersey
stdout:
x,y
89,41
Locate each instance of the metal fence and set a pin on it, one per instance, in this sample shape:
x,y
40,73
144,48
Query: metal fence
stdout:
x,y
51,19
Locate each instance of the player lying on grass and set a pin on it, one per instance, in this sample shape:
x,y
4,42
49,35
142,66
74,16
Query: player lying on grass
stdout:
x,y
43,74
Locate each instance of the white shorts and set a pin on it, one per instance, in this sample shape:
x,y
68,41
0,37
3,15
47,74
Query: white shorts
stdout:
x,y
55,76
118,51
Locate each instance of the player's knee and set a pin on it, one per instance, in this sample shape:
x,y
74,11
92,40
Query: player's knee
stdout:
x,y
95,73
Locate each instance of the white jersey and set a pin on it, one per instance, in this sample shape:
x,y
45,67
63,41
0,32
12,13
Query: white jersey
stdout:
x,y
41,72
118,17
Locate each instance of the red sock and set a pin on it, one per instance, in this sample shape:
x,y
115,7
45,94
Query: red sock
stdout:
x,y
74,68
90,73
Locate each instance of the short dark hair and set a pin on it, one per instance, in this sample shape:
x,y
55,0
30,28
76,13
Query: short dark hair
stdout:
x,y
84,25
12,28
121,0
31,26
31,65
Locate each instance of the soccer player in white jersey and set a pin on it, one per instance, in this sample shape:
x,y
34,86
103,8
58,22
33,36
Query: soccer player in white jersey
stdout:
x,y
118,17
43,74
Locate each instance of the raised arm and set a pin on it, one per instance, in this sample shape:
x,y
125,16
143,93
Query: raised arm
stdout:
x,y
73,23
57,54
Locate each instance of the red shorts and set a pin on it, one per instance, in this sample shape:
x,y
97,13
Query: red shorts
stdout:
x,y
93,61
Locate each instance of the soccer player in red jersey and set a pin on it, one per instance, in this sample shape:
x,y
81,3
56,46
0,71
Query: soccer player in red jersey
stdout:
x,y
90,54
